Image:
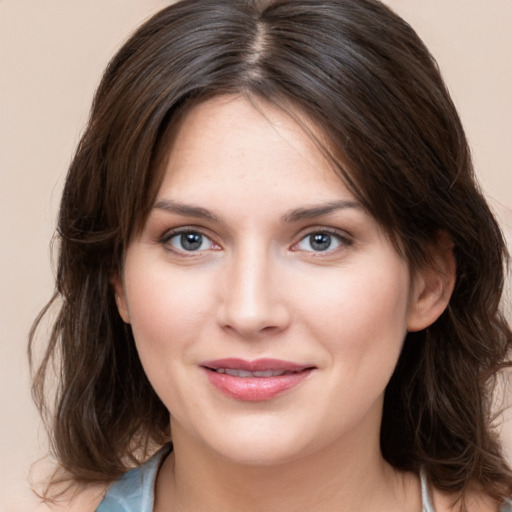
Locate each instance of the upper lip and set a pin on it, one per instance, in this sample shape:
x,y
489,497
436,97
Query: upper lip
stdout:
x,y
256,365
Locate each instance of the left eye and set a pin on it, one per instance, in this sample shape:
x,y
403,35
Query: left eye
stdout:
x,y
320,241
190,241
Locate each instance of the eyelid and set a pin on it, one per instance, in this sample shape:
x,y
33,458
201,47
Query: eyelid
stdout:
x,y
344,238
182,230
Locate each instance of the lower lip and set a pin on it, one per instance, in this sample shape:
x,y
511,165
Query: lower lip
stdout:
x,y
253,389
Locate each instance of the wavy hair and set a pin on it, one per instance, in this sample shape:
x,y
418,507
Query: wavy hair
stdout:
x,y
360,73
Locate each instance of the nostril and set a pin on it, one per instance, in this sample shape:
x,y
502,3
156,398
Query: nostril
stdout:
x,y
253,327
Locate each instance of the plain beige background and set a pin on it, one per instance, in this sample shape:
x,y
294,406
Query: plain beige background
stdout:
x,y
51,56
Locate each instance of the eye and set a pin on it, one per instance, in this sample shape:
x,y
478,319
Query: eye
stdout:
x,y
321,241
188,241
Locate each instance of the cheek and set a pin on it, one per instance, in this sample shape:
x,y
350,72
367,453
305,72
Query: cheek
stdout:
x,y
167,310
377,306
168,313
360,317
359,302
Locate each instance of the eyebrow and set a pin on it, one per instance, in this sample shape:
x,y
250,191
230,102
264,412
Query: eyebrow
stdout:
x,y
312,212
298,214
185,209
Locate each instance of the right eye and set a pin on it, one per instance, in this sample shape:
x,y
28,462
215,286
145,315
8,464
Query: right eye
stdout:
x,y
189,241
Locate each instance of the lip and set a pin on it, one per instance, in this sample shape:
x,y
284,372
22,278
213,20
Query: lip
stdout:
x,y
255,388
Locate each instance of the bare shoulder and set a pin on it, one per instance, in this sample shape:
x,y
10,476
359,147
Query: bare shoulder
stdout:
x,y
475,501
81,500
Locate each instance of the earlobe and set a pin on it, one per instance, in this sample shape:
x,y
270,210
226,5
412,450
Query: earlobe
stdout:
x,y
120,296
433,286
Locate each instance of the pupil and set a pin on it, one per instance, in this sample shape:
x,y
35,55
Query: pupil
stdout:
x,y
191,241
320,241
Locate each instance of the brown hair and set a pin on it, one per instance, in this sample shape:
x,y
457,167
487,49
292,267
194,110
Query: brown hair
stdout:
x,y
363,75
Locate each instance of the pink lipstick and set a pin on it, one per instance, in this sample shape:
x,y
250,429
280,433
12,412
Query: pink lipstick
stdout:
x,y
257,380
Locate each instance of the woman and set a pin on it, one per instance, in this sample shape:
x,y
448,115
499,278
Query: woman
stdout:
x,y
273,253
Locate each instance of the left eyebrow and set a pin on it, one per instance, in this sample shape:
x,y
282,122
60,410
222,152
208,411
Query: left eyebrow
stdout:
x,y
185,209
312,212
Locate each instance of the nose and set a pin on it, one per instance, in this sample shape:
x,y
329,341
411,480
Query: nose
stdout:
x,y
253,297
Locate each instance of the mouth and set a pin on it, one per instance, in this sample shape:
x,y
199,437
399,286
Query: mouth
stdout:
x,y
258,380
244,373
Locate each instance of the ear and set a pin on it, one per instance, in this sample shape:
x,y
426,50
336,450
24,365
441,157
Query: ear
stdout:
x,y
433,286
120,296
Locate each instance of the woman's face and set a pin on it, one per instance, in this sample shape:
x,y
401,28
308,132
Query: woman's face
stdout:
x,y
268,307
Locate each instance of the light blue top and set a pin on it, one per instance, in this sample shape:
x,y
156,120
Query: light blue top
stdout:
x,y
134,491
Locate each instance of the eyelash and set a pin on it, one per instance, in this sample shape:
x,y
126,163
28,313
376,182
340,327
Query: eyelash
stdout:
x,y
180,232
342,240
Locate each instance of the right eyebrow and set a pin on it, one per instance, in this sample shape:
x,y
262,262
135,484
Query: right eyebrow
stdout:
x,y
314,211
187,210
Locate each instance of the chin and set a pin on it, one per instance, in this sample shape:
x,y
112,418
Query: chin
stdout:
x,y
250,440
262,453
259,443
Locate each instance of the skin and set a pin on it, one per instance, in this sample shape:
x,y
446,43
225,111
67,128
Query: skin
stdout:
x,y
266,293
257,287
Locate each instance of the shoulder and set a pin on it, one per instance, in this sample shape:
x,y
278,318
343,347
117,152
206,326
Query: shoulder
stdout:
x,y
123,494
507,506
475,501
77,500
134,490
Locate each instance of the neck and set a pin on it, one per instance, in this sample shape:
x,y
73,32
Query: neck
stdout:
x,y
337,477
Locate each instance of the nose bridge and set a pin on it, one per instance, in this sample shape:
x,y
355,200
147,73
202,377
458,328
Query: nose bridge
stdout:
x,y
252,302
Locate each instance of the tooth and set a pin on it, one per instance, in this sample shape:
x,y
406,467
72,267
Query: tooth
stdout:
x,y
266,373
245,373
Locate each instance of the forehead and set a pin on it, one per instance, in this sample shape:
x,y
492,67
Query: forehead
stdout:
x,y
233,141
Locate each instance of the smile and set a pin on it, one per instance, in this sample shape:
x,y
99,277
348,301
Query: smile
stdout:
x,y
258,380
244,373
